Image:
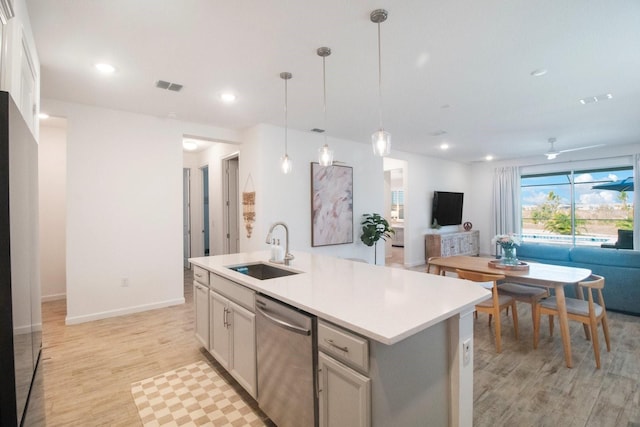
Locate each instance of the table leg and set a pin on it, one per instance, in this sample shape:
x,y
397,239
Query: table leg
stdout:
x,y
563,320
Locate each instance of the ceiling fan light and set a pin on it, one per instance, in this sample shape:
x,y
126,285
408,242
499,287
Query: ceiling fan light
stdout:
x,y
381,143
325,156
551,156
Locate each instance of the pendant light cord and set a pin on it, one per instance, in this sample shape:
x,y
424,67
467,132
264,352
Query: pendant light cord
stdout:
x,y
379,78
324,95
286,127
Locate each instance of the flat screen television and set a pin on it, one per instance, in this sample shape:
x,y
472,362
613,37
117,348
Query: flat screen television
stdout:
x,y
447,208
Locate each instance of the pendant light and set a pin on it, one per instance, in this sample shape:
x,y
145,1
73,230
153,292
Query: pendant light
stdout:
x,y
285,161
325,155
380,139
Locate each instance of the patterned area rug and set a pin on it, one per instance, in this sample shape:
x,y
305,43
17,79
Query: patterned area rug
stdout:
x,y
193,395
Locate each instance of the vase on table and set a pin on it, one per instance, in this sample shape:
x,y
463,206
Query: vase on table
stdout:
x,y
509,255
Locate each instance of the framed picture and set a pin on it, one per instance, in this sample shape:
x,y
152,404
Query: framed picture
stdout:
x,y
331,205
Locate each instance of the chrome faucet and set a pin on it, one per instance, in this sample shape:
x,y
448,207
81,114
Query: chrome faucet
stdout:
x,y
287,255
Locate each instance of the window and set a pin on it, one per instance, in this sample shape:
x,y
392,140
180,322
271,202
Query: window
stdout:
x,y
564,208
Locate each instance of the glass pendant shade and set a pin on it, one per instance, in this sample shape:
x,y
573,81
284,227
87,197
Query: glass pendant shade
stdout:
x,y
325,156
285,161
381,143
285,164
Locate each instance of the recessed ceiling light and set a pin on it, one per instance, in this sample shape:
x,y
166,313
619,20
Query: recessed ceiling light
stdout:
x,y
539,72
227,97
489,158
105,68
189,145
444,146
43,116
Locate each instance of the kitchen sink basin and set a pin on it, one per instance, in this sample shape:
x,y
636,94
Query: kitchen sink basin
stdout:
x,y
262,271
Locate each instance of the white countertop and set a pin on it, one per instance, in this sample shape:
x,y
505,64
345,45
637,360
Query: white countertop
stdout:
x,y
381,303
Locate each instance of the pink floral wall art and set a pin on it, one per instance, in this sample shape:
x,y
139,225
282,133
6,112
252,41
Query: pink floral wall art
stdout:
x,y
331,205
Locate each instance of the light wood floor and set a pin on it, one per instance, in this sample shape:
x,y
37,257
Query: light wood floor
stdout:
x,y
88,369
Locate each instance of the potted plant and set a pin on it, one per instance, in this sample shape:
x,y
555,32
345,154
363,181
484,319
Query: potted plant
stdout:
x,y
374,228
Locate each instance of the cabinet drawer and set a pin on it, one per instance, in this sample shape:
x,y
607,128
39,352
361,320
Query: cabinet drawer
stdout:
x,y
343,345
235,292
201,275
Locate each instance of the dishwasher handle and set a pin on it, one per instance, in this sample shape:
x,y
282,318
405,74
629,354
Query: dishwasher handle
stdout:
x,y
283,324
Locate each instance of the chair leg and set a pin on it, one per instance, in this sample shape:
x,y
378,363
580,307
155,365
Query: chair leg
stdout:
x,y
498,331
515,318
605,330
490,316
594,340
587,334
536,325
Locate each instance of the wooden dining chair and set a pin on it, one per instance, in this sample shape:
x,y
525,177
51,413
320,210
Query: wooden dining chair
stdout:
x,y
586,311
495,304
436,269
523,293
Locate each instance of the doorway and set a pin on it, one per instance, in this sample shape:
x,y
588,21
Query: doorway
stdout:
x,y
395,201
231,204
186,216
205,209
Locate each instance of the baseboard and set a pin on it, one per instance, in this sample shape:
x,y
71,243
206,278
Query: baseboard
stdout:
x,y
53,297
121,312
413,264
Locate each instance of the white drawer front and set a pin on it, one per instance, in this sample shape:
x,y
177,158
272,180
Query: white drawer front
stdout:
x,y
235,292
344,345
201,275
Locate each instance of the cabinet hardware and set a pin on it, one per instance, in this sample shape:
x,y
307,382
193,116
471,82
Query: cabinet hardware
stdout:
x,y
333,344
224,317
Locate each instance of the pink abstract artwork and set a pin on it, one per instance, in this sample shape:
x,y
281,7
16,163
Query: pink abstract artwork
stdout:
x,y
331,205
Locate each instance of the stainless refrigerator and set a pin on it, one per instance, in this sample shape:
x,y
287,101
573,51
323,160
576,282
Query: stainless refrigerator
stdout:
x,y
21,396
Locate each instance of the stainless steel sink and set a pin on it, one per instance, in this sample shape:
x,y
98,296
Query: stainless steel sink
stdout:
x,y
262,271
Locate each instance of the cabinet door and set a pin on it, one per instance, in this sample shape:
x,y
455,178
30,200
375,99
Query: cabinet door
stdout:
x,y
345,396
201,303
243,347
219,324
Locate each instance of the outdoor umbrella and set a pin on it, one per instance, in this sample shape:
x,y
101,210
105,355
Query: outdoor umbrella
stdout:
x,y
620,185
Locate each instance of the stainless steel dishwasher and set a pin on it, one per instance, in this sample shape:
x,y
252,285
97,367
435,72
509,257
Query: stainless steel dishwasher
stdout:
x,y
287,358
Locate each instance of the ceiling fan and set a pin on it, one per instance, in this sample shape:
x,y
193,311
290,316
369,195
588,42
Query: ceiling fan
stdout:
x,y
553,153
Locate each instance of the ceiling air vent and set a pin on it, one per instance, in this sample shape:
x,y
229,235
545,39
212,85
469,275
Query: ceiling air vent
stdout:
x,y
161,84
316,130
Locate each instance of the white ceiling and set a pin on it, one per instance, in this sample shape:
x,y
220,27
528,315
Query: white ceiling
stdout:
x,y
473,56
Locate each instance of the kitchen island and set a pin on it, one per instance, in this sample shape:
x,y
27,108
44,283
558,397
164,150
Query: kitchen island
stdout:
x,y
418,327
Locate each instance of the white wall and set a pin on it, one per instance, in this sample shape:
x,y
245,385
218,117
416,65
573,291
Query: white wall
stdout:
x,y
482,185
124,209
52,169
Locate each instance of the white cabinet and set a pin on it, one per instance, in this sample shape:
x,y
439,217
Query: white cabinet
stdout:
x,y
451,244
344,397
232,332
201,304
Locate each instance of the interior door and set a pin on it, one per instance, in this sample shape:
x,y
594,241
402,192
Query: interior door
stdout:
x,y
232,205
186,216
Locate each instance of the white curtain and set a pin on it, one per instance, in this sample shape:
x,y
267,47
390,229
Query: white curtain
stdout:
x,y
636,203
505,209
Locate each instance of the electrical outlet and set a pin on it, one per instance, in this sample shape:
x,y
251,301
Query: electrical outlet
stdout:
x,y
466,352
125,282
